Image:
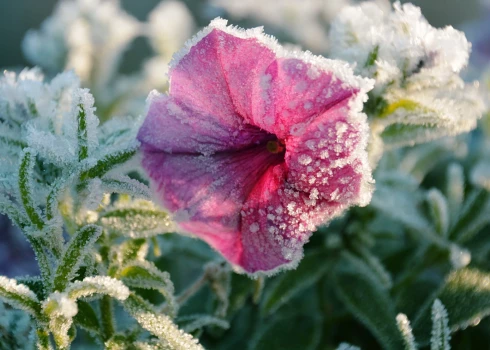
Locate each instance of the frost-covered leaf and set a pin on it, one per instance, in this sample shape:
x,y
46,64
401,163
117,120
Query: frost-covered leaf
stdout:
x,y
368,301
86,318
144,274
35,284
109,162
130,250
137,219
439,210
441,334
60,309
474,215
15,214
402,206
466,296
77,248
289,333
455,185
102,285
26,176
191,323
124,184
159,325
19,296
287,285
43,342
406,331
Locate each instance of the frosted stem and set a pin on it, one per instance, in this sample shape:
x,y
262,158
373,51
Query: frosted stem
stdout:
x,y
106,312
193,289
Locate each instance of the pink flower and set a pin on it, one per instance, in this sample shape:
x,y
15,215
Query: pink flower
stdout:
x,y
254,146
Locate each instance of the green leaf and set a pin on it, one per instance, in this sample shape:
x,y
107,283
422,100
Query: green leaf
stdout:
x,y
372,57
26,171
130,250
74,254
19,296
406,332
440,330
86,318
43,341
362,293
144,274
159,325
290,333
82,133
473,216
398,134
439,210
127,185
466,296
98,285
107,163
455,189
191,323
137,222
313,266
35,284
17,216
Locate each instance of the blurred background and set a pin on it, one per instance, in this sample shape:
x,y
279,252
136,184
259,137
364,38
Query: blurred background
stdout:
x,y
16,17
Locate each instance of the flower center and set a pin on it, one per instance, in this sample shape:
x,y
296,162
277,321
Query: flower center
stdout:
x,y
275,146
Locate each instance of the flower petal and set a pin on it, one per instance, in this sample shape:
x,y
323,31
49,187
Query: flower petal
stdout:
x,y
293,91
328,160
206,193
277,221
173,127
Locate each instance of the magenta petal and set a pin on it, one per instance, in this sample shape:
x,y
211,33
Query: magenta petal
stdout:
x,y
172,127
328,159
292,92
206,193
277,221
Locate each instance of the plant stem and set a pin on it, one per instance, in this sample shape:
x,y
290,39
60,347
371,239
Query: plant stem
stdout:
x,y
107,317
193,289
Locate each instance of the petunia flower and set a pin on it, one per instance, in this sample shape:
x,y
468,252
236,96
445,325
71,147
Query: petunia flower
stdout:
x,y
255,146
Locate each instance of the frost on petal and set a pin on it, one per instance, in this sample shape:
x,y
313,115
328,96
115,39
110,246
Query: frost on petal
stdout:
x,y
206,193
172,127
328,159
256,146
277,221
